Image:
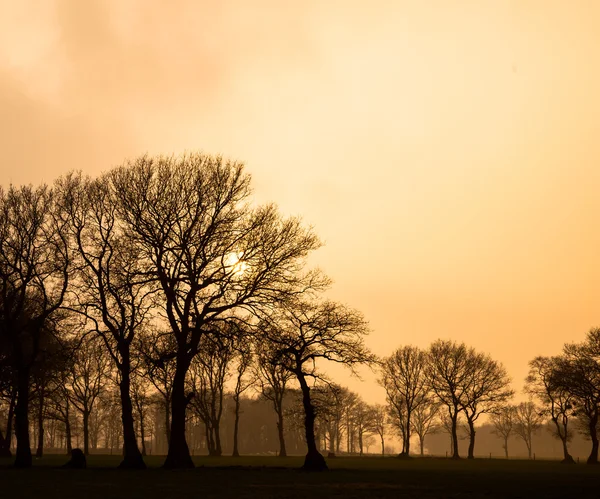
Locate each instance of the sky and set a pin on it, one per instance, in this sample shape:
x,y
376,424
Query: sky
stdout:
x,y
447,152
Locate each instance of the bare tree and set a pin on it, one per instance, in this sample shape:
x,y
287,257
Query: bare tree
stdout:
x,y
503,419
87,379
527,420
425,420
210,371
34,276
487,389
212,253
403,375
544,383
112,285
305,332
243,381
578,373
141,403
380,424
364,423
449,374
158,366
273,379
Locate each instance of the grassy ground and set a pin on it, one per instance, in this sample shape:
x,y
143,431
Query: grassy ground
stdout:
x,y
265,477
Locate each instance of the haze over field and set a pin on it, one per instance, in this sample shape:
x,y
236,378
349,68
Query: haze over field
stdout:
x,y
447,154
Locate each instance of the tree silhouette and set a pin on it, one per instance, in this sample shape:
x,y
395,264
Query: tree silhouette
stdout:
x,y
211,253
34,277
306,331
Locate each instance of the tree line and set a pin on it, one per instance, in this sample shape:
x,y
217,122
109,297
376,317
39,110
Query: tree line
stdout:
x,y
158,295
449,386
162,266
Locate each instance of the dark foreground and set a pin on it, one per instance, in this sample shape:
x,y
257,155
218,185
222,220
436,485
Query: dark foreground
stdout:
x,y
274,477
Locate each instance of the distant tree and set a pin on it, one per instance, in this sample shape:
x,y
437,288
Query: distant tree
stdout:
x,y
487,389
142,404
210,370
380,424
211,252
273,379
307,331
87,379
527,420
449,373
425,420
544,382
335,402
364,423
403,375
243,380
578,373
503,419
158,366
34,277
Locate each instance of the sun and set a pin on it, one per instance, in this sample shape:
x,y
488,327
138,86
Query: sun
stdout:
x,y
234,265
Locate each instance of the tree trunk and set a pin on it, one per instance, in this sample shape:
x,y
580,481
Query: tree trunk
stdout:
x,y
7,440
407,434
471,454
422,445
235,427
168,420
23,458
217,431
142,436
593,428
68,438
383,447
86,432
313,461
282,449
567,458
506,447
178,456
455,454
40,447
132,458
360,443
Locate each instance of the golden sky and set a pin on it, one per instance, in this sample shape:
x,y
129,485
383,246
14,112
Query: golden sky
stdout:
x,y
447,152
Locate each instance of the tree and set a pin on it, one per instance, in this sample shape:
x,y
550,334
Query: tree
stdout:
x,y
141,403
158,365
380,424
211,253
425,420
503,419
404,379
34,276
304,332
487,389
273,379
210,370
578,373
364,423
87,380
112,286
544,382
449,374
527,420
242,383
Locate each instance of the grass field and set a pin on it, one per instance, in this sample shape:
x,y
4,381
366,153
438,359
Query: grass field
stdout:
x,y
348,477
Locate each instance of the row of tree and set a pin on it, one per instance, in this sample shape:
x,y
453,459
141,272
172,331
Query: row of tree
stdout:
x,y
161,276
449,382
166,267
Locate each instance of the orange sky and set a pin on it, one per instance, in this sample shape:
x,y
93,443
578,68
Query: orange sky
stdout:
x,y
447,152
